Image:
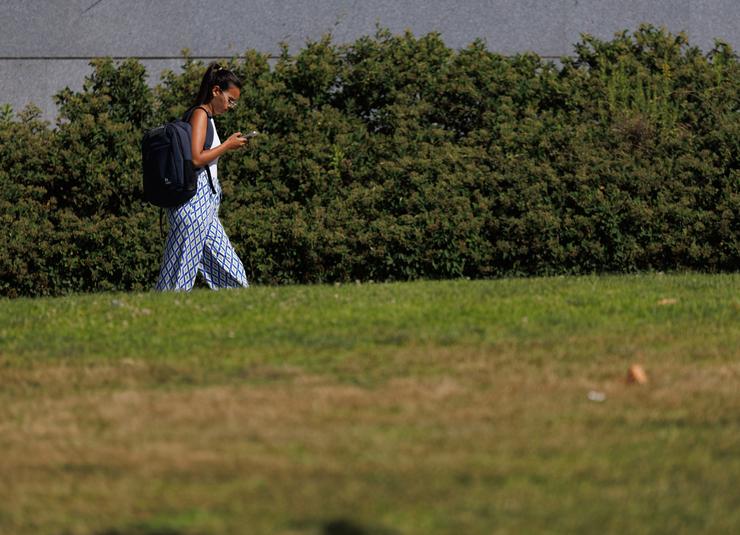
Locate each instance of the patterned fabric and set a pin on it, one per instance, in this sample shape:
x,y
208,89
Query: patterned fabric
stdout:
x,y
197,241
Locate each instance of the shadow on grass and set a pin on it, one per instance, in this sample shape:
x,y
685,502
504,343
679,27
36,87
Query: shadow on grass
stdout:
x,y
143,530
342,526
334,527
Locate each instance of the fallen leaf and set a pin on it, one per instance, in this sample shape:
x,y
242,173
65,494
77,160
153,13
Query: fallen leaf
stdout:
x,y
636,375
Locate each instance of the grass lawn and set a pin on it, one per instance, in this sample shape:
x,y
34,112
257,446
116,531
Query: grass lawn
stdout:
x,y
457,407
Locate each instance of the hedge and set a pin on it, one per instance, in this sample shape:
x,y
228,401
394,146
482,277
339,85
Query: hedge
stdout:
x,y
395,158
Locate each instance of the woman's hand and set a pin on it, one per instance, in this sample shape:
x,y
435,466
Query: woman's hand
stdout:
x,y
235,141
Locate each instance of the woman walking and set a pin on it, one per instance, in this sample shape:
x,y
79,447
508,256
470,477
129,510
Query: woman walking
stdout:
x,y
196,240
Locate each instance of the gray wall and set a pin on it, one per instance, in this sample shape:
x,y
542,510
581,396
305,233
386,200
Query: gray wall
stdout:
x,y
46,45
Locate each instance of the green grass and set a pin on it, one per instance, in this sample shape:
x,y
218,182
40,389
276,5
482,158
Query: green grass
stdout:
x,y
410,408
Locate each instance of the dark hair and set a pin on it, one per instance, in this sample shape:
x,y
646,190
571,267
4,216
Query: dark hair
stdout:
x,y
215,75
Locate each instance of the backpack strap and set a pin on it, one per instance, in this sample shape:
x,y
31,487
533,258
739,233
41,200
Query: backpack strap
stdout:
x,y
209,129
209,137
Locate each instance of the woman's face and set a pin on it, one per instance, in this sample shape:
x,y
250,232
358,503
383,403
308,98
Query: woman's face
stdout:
x,y
224,100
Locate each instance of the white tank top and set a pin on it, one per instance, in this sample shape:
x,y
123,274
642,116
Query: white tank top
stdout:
x,y
216,143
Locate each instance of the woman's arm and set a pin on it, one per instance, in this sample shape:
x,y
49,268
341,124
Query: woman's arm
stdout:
x,y
199,126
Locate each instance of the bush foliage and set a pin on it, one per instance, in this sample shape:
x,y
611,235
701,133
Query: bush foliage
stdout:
x,y
396,157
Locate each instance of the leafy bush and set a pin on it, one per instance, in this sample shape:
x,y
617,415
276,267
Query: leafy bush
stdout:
x,y
395,157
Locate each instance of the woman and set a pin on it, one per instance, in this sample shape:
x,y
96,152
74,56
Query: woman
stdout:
x,y
196,239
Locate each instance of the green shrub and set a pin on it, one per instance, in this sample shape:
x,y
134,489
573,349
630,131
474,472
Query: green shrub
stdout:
x,y
395,157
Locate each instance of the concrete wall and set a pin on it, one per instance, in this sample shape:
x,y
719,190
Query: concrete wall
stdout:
x,y
46,44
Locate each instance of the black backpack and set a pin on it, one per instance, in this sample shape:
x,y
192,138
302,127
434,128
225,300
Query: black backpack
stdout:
x,y
169,176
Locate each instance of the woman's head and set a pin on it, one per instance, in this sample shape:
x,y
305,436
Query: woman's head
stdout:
x,y
220,88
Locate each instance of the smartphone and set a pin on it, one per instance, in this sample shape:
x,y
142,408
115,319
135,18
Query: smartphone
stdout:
x,y
250,134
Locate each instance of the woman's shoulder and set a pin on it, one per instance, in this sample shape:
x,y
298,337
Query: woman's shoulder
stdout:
x,y
200,110
196,111
200,118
